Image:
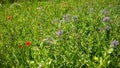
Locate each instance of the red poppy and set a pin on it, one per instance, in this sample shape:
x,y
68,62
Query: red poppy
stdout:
x,y
28,43
9,17
19,46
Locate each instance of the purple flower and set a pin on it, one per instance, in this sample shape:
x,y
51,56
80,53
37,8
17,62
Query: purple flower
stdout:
x,y
106,19
114,43
67,17
105,12
60,32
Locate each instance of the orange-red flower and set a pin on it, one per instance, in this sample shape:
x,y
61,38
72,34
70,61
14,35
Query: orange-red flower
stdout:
x,y
20,46
9,17
28,43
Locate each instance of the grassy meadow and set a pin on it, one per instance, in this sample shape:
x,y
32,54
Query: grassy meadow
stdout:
x,y
60,34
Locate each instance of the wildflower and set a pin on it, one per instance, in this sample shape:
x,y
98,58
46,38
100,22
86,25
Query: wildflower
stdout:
x,y
115,43
105,12
28,43
20,46
9,17
106,19
67,17
60,32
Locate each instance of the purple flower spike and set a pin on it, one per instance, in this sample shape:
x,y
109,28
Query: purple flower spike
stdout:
x,y
67,17
106,19
115,43
60,32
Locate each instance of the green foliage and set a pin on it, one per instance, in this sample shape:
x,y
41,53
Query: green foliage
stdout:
x,y
13,1
62,34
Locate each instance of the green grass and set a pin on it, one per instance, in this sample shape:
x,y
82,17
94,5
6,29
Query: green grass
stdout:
x,y
84,41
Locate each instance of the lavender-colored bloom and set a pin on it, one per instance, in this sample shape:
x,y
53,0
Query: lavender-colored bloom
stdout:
x,y
106,19
105,12
114,43
67,17
60,32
